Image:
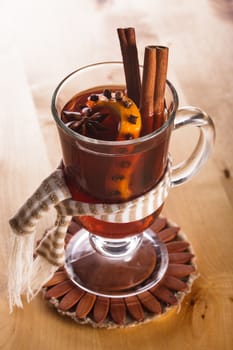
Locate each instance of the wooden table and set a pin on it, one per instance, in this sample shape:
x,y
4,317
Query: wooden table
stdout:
x,y
33,57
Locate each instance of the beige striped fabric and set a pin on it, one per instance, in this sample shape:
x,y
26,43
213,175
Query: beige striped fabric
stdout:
x,y
28,274
52,247
133,210
52,191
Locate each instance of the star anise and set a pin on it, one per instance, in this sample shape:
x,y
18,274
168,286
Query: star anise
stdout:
x,y
85,122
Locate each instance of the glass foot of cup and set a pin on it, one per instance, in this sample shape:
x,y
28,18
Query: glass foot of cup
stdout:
x,y
116,267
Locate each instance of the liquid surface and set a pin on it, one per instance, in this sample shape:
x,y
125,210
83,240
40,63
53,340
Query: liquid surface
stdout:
x,y
103,115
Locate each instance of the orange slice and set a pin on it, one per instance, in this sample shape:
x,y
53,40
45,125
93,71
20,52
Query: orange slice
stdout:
x,y
123,111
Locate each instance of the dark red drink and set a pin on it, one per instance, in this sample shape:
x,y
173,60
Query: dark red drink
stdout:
x,y
112,171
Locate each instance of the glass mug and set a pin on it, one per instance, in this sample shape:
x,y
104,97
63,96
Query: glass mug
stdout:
x,y
122,258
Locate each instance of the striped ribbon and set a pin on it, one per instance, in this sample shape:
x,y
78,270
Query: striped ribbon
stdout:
x,y
133,210
28,274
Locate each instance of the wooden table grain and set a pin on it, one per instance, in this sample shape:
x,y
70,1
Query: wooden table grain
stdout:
x,y
41,43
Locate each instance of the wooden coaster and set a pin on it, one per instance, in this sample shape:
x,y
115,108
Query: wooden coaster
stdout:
x,y
86,308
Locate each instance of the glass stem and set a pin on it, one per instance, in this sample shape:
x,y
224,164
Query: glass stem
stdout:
x,y
115,248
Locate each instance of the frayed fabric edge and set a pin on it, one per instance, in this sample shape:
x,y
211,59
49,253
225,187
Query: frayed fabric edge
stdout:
x,y
26,274
19,268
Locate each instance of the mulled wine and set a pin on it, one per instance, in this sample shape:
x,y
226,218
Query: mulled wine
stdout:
x,y
118,173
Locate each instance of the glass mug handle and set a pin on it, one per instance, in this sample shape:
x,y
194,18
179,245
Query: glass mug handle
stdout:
x,y
193,116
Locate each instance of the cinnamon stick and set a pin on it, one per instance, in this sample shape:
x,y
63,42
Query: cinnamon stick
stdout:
x,y
129,52
151,96
160,83
147,92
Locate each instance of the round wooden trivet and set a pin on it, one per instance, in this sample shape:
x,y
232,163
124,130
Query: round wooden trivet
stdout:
x,y
86,308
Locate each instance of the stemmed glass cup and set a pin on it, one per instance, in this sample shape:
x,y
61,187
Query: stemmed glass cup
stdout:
x,y
117,254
